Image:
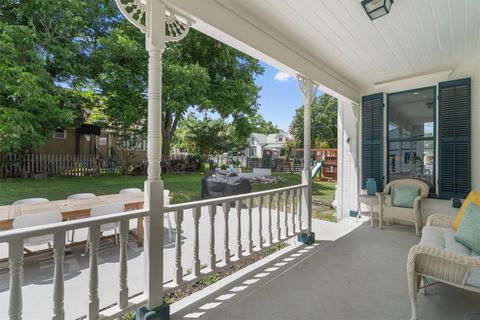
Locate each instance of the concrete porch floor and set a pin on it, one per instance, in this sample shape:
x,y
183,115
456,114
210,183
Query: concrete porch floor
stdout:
x,y
38,271
359,276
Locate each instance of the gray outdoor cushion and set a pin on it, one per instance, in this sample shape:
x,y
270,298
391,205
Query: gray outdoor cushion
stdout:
x,y
444,238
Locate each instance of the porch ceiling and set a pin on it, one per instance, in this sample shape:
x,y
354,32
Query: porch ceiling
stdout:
x,y
336,44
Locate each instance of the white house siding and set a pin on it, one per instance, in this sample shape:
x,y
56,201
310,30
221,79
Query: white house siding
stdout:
x,y
347,146
470,69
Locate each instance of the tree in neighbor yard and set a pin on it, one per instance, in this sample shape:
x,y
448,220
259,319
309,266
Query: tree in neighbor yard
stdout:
x,y
30,104
210,136
324,122
45,48
260,125
198,73
230,91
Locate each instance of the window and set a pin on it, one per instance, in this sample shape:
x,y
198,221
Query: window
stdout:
x,y
252,152
411,135
252,140
60,134
280,138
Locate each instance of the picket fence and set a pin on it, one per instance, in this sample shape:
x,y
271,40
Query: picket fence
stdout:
x,y
39,165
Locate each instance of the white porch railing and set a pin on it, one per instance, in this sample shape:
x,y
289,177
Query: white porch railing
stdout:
x,y
284,203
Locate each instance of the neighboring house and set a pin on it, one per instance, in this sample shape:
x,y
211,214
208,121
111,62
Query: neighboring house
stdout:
x,y
261,145
75,141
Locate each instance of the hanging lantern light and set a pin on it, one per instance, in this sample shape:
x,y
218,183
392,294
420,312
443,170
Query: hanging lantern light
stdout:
x,y
377,8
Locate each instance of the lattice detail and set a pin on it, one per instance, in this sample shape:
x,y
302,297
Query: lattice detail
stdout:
x,y
302,83
134,11
176,26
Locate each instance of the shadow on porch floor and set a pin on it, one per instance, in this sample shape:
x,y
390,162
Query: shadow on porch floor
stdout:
x,y
359,276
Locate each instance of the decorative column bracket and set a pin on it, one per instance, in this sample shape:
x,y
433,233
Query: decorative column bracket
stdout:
x,y
308,89
176,25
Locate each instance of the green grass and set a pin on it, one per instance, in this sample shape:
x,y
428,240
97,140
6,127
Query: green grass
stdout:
x,y
322,197
183,187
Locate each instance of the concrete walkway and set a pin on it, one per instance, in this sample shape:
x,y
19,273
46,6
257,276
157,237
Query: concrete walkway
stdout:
x,y
359,276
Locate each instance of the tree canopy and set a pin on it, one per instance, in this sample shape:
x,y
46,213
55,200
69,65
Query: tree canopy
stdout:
x,y
324,123
62,58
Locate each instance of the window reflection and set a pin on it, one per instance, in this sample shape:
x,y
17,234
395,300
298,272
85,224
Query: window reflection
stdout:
x,y
411,135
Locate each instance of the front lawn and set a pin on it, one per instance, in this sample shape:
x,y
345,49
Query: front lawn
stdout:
x,y
183,187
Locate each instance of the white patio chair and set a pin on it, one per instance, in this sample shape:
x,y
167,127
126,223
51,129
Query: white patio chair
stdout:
x,y
79,196
31,200
166,201
101,211
130,190
31,220
388,210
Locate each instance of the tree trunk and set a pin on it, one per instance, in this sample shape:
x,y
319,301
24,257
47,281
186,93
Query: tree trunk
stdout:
x,y
168,130
166,141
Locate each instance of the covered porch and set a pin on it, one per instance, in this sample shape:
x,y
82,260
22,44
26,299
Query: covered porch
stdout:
x,y
334,47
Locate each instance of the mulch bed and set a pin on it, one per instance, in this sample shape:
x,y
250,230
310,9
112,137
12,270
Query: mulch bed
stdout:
x,y
233,267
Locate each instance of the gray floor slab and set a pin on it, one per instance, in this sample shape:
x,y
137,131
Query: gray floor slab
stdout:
x,y
359,276
38,271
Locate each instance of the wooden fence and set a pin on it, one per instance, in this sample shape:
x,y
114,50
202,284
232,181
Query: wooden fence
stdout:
x,y
41,165
38,165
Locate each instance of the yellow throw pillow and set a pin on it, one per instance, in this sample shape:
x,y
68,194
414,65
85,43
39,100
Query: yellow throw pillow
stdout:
x,y
474,197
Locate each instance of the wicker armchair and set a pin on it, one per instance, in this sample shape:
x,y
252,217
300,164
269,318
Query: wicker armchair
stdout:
x,y
438,264
387,210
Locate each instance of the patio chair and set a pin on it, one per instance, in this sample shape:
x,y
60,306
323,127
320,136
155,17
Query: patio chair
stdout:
x,y
31,200
79,196
166,201
104,210
31,220
407,213
130,190
440,257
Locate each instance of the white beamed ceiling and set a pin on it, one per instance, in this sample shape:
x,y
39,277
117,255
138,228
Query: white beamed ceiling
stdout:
x,y
417,37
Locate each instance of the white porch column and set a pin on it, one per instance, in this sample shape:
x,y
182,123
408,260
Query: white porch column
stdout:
x,y
308,89
155,44
160,24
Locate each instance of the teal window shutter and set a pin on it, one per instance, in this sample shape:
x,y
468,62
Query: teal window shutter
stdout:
x,y
372,139
454,132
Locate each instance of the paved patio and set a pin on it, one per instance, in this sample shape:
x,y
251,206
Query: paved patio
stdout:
x,y
360,276
38,274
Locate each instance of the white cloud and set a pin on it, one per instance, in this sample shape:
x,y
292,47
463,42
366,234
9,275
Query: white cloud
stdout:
x,y
282,76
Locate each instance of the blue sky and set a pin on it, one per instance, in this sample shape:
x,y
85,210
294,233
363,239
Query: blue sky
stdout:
x,y
280,96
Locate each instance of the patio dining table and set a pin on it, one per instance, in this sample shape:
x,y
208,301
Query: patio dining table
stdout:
x,y
75,209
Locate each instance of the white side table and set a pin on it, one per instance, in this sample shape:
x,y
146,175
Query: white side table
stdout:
x,y
369,201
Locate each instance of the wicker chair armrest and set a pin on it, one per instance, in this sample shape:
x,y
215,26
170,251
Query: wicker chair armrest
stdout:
x,y
440,220
380,196
416,202
459,259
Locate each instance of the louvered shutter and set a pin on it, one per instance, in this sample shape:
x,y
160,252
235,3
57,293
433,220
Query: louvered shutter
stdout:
x,y
454,127
372,139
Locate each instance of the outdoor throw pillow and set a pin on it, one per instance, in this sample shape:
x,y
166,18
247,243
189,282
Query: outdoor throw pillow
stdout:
x,y
468,232
474,197
404,197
